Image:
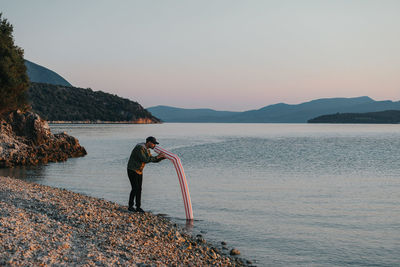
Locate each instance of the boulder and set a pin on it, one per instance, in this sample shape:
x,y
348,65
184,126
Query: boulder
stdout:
x,y
26,139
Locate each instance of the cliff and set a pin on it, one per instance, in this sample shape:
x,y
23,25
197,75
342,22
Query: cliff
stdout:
x,y
26,139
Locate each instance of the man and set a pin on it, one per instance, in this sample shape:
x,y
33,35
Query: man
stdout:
x,y
139,157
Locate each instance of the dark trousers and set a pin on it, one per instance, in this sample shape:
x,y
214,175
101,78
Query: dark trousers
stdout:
x,y
136,192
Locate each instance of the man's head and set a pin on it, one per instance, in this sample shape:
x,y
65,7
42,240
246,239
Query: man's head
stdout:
x,y
151,142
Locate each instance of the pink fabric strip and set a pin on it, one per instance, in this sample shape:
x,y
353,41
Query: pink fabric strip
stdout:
x,y
182,180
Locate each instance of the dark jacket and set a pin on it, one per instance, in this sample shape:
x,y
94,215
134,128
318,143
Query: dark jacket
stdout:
x,y
139,157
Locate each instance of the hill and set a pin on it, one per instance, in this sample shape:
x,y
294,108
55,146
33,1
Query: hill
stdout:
x,y
61,103
172,114
277,113
388,116
40,74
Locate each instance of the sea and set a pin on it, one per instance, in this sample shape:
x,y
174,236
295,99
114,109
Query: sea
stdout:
x,y
282,194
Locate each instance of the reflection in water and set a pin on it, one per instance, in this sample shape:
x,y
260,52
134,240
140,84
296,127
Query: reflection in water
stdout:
x,y
189,225
28,173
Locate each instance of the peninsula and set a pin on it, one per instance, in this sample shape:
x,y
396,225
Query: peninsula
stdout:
x,y
388,117
60,103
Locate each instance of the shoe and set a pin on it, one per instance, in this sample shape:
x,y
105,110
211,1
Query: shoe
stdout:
x,y
132,209
139,210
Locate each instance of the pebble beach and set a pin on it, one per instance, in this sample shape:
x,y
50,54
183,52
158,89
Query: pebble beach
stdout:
x,y
45,226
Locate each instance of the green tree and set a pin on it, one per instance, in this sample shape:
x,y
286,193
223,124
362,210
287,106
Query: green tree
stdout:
x,y
13,78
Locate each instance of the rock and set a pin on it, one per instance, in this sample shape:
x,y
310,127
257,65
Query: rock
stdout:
x,y
179,237
234,252
212,254
200,239
26,139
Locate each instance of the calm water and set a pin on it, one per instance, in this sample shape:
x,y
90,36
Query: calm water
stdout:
x,y
283,194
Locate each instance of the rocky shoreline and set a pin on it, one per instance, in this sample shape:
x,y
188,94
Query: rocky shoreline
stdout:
x,y
26,139
41,225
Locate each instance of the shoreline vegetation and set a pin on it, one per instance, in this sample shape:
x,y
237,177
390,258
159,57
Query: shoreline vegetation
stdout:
x,y
42,225
67,103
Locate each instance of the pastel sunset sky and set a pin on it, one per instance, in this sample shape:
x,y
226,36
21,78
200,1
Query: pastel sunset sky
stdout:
x,y
221,54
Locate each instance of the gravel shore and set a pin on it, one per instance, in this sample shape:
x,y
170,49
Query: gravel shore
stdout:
x,y
41,226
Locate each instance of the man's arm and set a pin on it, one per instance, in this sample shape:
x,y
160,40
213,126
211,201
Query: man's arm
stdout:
x,y
147,157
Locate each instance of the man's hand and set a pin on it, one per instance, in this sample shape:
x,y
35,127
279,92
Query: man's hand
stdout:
x,y
161,156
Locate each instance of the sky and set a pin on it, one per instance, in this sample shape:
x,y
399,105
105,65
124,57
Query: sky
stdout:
x,y
222,54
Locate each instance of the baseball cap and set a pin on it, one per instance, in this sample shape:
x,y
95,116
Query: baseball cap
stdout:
x,y
152,139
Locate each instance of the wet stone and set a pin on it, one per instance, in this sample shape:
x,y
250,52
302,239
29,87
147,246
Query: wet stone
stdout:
x,y
234,252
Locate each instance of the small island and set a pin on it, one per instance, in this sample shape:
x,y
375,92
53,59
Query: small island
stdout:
x,y
382,117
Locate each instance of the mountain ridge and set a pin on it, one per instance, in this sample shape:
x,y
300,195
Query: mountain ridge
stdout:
x,y
277,113
56,100
40,74
64,103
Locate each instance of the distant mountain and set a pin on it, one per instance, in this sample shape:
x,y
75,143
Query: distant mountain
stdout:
x,y
39,74
172,114
277,113
62,103
388,116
